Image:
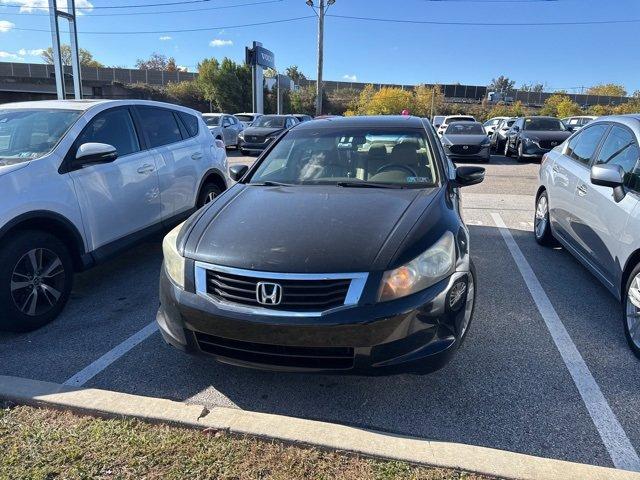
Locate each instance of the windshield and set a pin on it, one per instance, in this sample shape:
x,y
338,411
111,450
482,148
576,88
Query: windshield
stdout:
x,y
269,122
28,134
245,118
544,124
465,128
345,157
459,119
212,121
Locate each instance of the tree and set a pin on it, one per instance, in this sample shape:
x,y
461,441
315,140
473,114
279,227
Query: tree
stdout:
x,y
607,89
532,87
226,84
303,100
501,84
270,73
86,57
425,97
560,105
157,61
391,101
294,73
187,93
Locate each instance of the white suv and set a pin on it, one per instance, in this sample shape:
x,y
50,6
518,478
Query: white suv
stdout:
x,y
81,180
453,118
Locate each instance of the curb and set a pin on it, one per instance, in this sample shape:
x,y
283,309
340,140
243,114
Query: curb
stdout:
x,y
482,460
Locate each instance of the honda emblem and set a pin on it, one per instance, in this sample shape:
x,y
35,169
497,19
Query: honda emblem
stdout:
x,y
268,293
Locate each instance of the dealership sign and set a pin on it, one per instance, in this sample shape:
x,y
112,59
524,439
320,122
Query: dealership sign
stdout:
x,y
260,56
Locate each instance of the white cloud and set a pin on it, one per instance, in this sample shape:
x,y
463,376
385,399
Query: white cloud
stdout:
x,y
36,52
350,78
182,68
5,26
10,56
220,43
28,6
164,38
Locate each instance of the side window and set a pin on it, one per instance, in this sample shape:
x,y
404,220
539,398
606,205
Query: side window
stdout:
x,y
114,127
582,147
621,148
226,122
160,126
190,123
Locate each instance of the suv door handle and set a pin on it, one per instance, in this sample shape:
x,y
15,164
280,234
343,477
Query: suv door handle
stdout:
x,y
196,156
146,168
582,190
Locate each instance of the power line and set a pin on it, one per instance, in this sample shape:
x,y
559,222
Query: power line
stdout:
x,y
484,24
146,5
222,7
203,29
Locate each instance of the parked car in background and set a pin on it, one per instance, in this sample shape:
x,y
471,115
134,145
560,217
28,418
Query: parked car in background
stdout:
x,y
499,135
491,124
81,180
466,141
301,117
286,271
577,122
264,130
247,119
589,200
532,137
453,118
437,121
224,127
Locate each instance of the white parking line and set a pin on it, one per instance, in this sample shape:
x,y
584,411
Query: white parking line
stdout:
x,y
86,374
613,435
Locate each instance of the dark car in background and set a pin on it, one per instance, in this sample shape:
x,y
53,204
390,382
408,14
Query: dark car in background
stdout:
x,y
532,137
342,250
264,131
499,136
466,141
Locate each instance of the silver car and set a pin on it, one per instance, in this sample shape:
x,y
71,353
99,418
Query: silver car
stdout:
x,y
224,127
589,201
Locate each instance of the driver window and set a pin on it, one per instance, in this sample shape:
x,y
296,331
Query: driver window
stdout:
x,y
621,148
113,127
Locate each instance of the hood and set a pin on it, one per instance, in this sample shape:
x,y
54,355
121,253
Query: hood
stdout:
x,y
546,135
261,131
465,139
12,167
306,229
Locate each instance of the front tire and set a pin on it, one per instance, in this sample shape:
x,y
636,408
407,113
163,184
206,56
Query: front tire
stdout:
x,y
631,311
520,157
507,152
36,276
208,193
541,223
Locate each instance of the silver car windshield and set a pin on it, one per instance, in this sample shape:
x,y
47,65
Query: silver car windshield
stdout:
x,y
26,134
212,121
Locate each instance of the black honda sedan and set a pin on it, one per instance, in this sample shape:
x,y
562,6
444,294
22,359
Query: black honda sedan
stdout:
x,y
341,249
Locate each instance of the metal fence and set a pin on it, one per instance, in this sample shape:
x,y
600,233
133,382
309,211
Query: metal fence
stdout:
x,y
123,75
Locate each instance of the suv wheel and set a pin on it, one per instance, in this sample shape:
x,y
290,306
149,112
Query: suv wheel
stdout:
x,y
208,193
507,152
36,275
631,311
541,227
520,157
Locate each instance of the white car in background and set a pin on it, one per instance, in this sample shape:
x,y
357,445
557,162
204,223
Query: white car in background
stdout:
x,y
82,180
577,122
437,121
224,127
491,124
453,118
247,119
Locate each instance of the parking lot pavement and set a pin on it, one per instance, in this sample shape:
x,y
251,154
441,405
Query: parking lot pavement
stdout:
x,y
508,387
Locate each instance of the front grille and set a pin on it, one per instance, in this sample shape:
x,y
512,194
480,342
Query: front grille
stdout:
x,y
297,295
254,139
461,150
277,355
549,144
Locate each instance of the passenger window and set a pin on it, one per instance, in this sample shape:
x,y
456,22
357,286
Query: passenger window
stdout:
x,y
190,123
113,127
582,147
160,126
226,122
621,148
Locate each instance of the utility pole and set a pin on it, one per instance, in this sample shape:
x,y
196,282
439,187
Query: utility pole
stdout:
x,y
320,13
58,65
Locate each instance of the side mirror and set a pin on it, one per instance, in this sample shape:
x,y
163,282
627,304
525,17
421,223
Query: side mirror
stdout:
x,y
236,172
609,176
466,176
95,153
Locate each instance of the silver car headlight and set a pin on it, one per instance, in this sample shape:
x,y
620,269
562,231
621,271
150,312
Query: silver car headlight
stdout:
x,y
173,261
425,270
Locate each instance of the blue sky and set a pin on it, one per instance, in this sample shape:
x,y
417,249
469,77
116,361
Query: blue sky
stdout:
x,y
561,56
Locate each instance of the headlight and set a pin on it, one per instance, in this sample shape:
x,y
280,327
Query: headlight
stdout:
x,y
530,141
423,271
486,142
173,261
241,135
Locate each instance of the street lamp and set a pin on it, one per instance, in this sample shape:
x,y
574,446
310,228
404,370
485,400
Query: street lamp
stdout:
x,y
320,13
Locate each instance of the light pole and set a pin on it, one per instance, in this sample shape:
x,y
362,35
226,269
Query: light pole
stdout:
x,y
320,13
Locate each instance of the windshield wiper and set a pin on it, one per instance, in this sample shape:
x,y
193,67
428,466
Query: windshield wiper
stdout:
x,y
363,184
269,183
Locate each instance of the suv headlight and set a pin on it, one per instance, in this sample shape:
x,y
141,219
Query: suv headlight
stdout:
x,y
425,270
173,261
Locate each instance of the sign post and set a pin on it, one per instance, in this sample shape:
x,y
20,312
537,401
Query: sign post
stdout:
x,y
259,58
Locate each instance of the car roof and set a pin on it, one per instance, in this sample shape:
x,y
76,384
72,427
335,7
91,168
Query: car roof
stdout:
x,y
364,121
630,119
461,115
466,123
84,105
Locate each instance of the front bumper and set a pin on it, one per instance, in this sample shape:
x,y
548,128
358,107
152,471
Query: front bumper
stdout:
x,y
415,334
532,150
253,147
483,155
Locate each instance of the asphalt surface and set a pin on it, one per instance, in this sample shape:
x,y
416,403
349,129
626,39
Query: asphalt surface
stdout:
x,y
507,387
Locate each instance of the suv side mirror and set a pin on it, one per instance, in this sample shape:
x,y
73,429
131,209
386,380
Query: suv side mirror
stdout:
x,y
609,176
95,153
236,172
466,176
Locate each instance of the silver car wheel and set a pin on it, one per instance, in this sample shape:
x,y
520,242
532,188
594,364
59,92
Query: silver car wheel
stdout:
x,y
542,216
469,306
37,281
633,311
